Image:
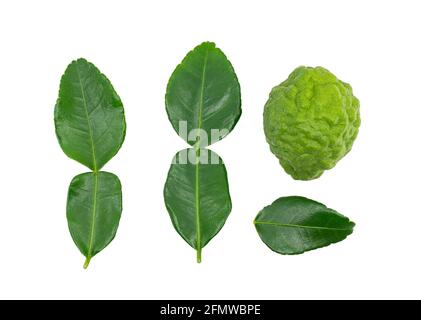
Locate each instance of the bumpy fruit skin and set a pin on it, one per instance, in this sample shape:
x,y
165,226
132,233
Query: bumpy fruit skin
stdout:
x,y
311,121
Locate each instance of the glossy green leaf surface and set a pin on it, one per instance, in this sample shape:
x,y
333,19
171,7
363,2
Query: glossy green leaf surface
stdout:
x,y
204,92
94,207
197,196
293,225
89,116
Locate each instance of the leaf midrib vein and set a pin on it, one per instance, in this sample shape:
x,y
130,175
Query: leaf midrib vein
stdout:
x,y
95,169
197,174
92,235
288,225
87,120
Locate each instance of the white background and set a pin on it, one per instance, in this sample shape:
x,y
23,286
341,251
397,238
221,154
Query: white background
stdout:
x,y
373,45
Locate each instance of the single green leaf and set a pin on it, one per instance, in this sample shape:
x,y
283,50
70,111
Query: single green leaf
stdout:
x,y
89,116
203,93
94,207
197,196
293,225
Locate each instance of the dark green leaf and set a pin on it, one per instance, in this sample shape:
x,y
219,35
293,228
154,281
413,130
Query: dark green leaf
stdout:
x,y
89,116
197,196
293,225
204,92
94,206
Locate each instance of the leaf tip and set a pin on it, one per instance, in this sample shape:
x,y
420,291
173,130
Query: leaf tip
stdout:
x,y
207,45
81,60
75,63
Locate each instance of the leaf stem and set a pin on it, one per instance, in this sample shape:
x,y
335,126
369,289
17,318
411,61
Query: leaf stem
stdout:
x,y
86,264
199,255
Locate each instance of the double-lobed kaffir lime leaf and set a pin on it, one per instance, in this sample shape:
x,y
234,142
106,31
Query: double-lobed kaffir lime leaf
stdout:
x,y
203,104
90,127
204,93
197,196
294,225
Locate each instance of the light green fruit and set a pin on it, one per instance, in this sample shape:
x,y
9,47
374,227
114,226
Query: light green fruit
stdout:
x,y
311,121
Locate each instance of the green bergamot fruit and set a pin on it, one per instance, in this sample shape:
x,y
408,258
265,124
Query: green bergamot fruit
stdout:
x,y
311,121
